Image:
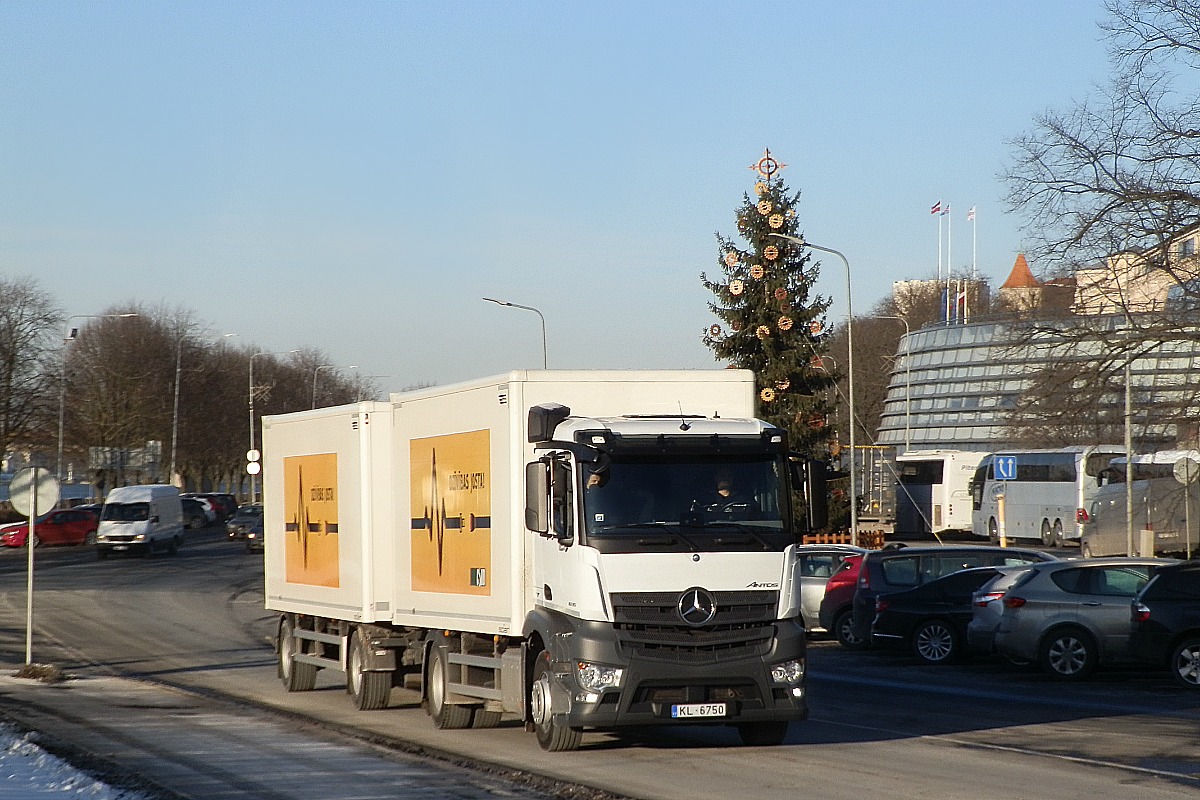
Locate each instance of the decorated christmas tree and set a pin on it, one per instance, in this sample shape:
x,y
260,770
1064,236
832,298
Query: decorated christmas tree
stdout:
x,y
771,321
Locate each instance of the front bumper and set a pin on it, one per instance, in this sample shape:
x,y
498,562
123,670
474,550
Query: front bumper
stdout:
x,y
651,689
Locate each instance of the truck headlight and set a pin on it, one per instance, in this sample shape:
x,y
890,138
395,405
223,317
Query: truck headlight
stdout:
x,y
597,677
141,537
788,672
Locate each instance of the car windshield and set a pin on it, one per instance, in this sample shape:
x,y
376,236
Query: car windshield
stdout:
x,y
126,512
659,502
249,511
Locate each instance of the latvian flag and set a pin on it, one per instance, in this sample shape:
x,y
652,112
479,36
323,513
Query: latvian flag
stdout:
x,y
937,208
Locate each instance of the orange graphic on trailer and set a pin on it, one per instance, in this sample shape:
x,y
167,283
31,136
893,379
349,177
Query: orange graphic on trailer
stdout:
x,y
451,513
311,519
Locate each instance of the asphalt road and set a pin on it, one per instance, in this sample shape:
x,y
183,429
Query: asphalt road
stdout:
x,y
881,724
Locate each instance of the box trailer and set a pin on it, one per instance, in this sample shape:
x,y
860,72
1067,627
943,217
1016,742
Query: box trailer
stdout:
x,y
585,550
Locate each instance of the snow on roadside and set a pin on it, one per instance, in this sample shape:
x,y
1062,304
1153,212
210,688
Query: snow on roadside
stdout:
x,y
28,772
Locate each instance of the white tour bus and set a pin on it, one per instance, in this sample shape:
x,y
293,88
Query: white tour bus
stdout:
x,y
1049,498
933,491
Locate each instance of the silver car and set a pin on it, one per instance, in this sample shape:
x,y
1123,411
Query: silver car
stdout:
x,y
817,562
1071,616
987,606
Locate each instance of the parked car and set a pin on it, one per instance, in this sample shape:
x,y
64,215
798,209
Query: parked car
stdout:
x,y
818,563
1072,616
899,569
930,619
63,526
247,524
987,606
1166,622
223,506
836,613
194,515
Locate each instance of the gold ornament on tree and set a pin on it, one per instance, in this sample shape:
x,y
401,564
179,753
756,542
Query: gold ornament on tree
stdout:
x,y
767,394
781,294
783,385
815,327
762,332
757,272
775,221
714,331
785,323
736,287
761,188
764,207
731,259
771,252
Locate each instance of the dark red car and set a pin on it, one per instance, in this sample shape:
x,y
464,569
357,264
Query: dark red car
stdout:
x,y
837,607
64,526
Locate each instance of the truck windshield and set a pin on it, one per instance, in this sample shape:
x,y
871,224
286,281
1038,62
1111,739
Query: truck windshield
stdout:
x,y
660,503
126,512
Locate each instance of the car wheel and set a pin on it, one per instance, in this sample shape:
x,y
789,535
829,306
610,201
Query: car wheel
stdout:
x,y
1068,654
1086,550
1047,535
843,630
993,531
37,540
90,538
935,642
1185,663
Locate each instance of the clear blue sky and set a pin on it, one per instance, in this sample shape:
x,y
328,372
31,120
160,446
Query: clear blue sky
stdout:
x,y
356,176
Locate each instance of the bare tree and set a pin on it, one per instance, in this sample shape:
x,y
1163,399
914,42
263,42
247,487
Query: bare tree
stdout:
x,y
1120,171
29,319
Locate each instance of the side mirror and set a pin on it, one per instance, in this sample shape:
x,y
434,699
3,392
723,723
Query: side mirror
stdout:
x,y
154,519
537,497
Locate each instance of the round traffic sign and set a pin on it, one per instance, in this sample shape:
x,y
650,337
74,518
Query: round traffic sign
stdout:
x,y
44,486
1186,470
253,455
253,468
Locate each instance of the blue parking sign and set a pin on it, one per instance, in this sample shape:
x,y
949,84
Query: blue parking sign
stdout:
x,y
1005,468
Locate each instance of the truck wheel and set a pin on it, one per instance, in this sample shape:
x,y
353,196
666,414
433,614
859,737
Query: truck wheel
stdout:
x,y
485,719
552,737
370,690
296,677
445,715
762,734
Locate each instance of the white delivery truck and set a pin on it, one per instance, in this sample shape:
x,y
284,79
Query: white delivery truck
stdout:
x,y
581,549
140,519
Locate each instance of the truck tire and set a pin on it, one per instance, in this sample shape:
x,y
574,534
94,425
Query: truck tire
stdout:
x,y
445,715
551,737
296,677
762,734
370,690
485,719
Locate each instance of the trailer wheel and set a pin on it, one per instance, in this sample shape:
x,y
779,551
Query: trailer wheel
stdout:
x,y
296,677
370,690
445,715
551,736
485,719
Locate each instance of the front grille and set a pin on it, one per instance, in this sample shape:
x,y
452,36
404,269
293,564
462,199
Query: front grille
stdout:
x,y
648,625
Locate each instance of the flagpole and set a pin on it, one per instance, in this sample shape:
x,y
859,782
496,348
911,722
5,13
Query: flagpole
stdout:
x,y
949,264
974,264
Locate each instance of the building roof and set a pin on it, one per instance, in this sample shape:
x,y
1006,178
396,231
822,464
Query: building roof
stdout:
x,y
1021,277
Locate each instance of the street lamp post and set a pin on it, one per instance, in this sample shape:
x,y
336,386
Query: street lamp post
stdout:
x,y
175,410
254,475
317,372
527,308
62,380
850,369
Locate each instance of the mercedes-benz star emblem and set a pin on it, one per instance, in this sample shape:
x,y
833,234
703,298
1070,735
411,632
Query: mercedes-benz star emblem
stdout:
x,y
697,607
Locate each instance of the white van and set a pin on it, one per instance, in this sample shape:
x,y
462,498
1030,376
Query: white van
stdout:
x,y
140,519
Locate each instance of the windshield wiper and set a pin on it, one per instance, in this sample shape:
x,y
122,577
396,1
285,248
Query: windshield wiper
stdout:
x,y
746,529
